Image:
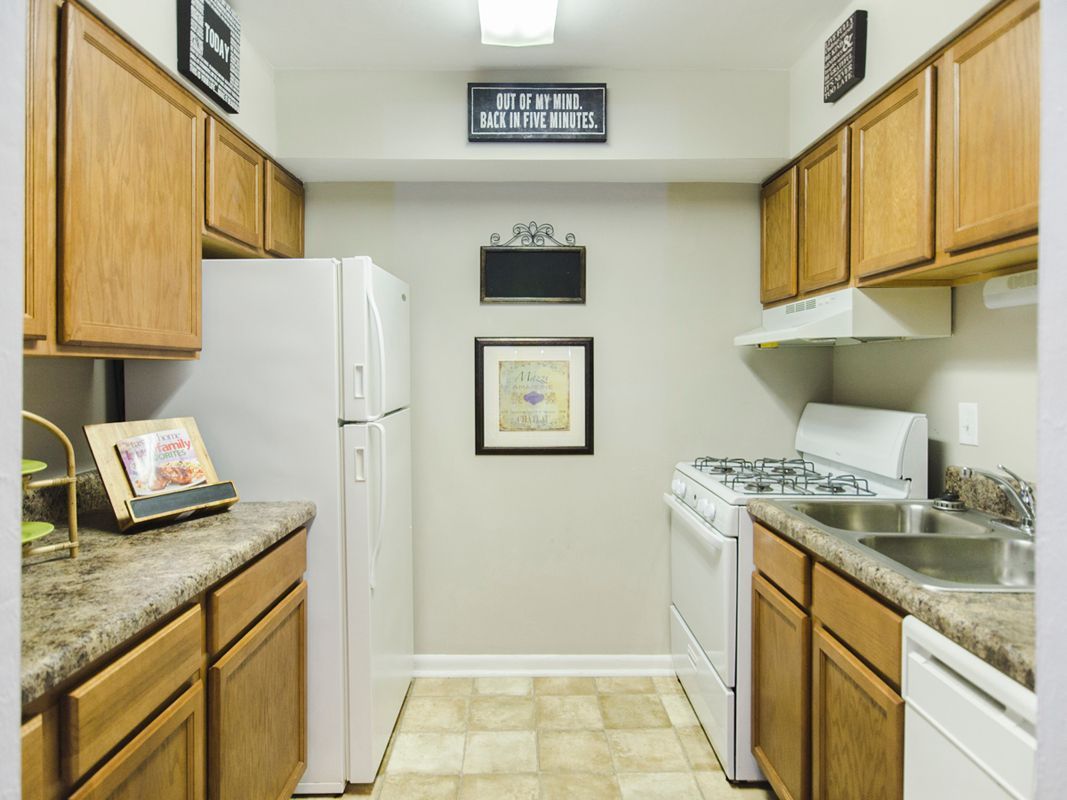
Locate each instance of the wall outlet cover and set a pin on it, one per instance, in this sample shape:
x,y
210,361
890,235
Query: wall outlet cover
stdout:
x,y
969,423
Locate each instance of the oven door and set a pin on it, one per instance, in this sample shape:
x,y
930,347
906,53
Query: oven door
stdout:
x,y
704,585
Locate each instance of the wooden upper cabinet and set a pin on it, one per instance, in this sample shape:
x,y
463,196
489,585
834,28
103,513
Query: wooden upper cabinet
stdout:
x,y
989,129
893,179
823,248
234,189
778,238
857,727
781,670
131,186
42,45
285,214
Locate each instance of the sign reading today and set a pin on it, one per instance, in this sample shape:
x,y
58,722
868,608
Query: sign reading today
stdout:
x,y
209,49
537,112
845,57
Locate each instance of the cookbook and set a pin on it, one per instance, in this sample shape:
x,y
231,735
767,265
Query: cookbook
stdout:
x,y
164,461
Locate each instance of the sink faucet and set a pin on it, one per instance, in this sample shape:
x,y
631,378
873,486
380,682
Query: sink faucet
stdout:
x,y
1022,499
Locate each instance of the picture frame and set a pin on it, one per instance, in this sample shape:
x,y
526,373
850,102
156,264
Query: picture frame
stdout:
x,y
533,396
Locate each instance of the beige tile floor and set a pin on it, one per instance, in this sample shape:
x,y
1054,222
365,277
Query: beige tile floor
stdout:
x,y
548,739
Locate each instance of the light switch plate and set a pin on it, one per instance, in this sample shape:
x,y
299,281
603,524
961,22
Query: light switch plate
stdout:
x,y
969,423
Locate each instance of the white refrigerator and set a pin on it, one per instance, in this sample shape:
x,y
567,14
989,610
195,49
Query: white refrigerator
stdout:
x,y
302,391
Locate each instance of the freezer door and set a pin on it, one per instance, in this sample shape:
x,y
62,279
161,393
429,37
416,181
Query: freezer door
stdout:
x,y
379,592
376,330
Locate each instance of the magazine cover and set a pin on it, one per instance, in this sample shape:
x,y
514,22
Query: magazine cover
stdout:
x,y
161,462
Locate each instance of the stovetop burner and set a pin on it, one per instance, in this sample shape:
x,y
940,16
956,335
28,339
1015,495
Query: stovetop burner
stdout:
x,y
785,476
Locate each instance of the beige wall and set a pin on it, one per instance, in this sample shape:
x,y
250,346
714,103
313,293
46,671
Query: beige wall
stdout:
x,y
70,392
153,24
568,555
991,359
899,34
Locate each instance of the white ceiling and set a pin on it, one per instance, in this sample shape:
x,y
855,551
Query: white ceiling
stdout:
x,y
598,34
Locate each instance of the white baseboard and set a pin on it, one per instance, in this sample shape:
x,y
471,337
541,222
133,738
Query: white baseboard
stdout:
x,y
467,666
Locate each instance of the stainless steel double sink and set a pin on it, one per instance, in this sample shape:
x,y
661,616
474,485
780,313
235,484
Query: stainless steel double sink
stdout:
x,y
942,550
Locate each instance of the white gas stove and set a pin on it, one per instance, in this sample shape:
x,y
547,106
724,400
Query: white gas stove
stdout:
x,y
845,452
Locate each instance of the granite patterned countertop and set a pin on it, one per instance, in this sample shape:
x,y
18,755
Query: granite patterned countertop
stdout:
x,y
999,628
76,610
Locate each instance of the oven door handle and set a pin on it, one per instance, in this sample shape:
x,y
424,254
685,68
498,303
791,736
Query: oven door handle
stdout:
x,y
702,529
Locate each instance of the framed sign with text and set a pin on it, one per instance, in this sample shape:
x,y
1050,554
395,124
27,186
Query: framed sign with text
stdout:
x,y
209,49
845,57
537,112
533,397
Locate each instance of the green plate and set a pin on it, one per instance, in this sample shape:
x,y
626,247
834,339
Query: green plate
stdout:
x,y
30,466
35,530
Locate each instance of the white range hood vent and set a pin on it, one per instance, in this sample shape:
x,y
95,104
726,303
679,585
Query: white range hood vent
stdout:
x,y
850,316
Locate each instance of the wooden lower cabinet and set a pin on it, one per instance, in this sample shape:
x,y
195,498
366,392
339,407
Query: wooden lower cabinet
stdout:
x,y
857,727
781,666
258,698
165,761
32,742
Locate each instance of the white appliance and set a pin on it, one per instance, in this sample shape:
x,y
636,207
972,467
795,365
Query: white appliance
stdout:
x,y
969,730
845,452
849,316
302,392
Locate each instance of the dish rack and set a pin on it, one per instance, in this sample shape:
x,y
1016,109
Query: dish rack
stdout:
x,y
32,531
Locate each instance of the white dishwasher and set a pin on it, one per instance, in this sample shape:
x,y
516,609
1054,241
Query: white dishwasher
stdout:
x,y
969,730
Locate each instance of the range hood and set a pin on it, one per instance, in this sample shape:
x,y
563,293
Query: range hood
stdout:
x,y
850,316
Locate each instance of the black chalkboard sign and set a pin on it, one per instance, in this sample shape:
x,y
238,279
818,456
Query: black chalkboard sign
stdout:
x,y
533,275
209,49
845,57
537,112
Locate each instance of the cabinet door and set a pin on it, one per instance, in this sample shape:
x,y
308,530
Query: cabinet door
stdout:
x,y
234,198
131,195
165,761
258,707
285,213
857,727
778,240
32,739
781,664
989,124
893,179
823,253
42,46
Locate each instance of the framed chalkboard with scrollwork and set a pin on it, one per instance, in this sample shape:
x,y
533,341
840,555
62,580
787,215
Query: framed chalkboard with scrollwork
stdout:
x,y
533,267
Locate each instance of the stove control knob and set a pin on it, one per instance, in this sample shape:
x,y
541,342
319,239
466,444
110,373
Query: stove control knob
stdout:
x,y
706,509
678,487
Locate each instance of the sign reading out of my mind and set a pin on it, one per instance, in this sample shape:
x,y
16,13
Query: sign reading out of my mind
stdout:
x,y
209,49
537,112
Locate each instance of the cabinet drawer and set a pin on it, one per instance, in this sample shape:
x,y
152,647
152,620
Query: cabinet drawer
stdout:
x,y
783,563
106,708
864,623
236,604
165,761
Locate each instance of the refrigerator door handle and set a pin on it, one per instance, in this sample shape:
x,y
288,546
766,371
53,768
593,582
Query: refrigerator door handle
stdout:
x,y
360,473
376,317
379,533
358,391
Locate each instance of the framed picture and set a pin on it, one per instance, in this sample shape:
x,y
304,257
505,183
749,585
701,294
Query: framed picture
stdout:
x,y
533,396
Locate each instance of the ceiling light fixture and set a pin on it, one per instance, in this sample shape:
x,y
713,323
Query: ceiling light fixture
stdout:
x,y
517,23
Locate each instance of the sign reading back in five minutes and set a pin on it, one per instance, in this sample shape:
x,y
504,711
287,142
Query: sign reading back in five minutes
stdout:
x,y
209,49
845,57
537,112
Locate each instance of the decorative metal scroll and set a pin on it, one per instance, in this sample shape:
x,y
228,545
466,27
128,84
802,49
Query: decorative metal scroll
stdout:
x,y
532,235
